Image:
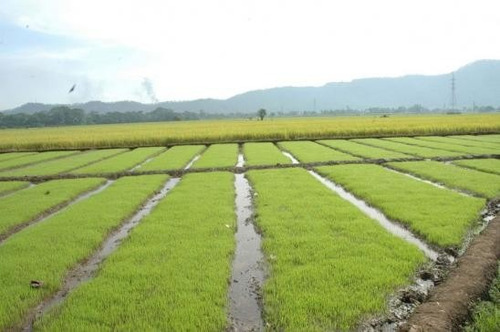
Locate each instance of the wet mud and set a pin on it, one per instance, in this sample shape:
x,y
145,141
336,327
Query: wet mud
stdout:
x,y
144,162
245,289
86,270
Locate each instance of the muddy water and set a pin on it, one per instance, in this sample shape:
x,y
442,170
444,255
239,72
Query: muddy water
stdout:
x,y
241,160
375,214
142,164
292,158
188,166
245,312
86,271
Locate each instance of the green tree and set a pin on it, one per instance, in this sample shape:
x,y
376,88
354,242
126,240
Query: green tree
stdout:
x,y
262,113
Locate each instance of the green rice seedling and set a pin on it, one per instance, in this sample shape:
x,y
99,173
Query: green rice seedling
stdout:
x,y
484,165
170,274
477,182
481,138
7,187
47,251
26,205
218,155
174,158
440,216
64,165
263,154
461,141
330,266
363,151
35,159
308,152
120,162
444,146
418,151
13,155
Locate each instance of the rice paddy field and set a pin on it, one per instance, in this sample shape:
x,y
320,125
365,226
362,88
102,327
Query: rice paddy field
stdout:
x,y
143,235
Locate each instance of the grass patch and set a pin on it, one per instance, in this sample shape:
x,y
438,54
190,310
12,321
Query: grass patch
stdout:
x,y
10,186
171,274
330,265
263,154
418,151
218,155
476,182
47,250
445,146
174,158
119,163
34,158
307,152
484,165
441,216
364,151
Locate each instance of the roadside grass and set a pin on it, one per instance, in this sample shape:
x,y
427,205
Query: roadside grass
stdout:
x,y
10,186
364,151
330,265
64,165
119,163
174,158
307,152
469,180
462,141
26,205
170,274
47,250
35,158
444,146
13,155
484,165
440,216
263,154
481,138
218,155
418,151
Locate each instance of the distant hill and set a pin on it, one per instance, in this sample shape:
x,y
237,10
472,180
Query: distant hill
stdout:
x,y
476,83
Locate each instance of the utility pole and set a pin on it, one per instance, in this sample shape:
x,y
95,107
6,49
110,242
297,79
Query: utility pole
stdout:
x,y
453,92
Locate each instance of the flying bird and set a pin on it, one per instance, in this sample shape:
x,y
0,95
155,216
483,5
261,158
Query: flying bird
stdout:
x,y
72,88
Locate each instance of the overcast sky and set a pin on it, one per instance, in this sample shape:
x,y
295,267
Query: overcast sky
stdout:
x,y
187,49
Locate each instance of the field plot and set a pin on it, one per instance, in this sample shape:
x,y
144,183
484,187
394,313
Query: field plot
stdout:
x,y
37,200
63,165
178,259
440,216
218,155
476,182
34,158
263,154
445,146
462,141
46,250
8,187
418,151
481,138
364,151
330,265
485,165
119,163
13,155
308,152
174,158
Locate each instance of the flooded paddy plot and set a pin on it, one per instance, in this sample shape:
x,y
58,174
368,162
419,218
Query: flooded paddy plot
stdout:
x,y
418,151
363,151
312,152
46,251
263,154
484,165
174,158
469,180
30,159
467,150
218,155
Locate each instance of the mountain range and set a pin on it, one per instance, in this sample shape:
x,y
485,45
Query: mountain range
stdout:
x,y
477,83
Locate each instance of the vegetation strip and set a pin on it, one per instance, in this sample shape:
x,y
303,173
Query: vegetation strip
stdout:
x,y
121,162
363,151
170,274
441,217
84,272
419,151
218,155
245,312
330,265
11,186
46,251
174,158
481,138
445,146
13,155
34,159
312,152
263,154
461,141
469,180
484,165
449,304
34,204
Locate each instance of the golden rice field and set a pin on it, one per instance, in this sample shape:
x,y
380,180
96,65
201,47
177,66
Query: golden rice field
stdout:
x,y
165,133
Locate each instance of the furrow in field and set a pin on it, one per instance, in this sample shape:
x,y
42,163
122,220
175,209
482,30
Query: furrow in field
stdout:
x,y
176,157
466,150
415,150
483,165
461,141
306,151
46,251
171,273
35,159
241,157
119,163
330,266
37,203
8,187
65,165
441,217
363,151
263,154
468,180
218,155
245,312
